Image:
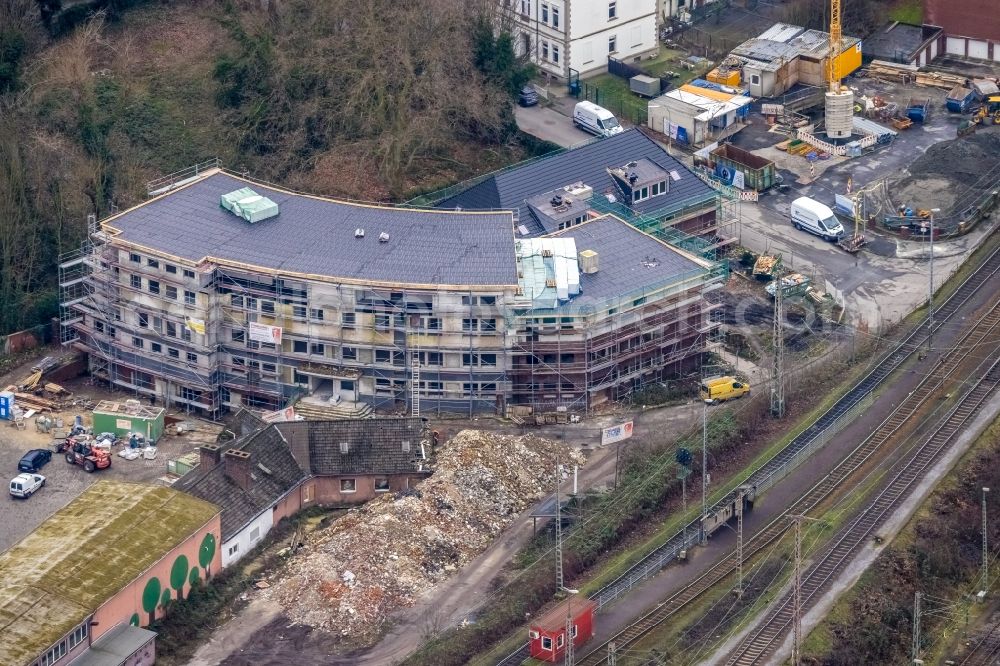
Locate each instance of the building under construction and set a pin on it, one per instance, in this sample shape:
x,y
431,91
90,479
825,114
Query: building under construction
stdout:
x,y
219,292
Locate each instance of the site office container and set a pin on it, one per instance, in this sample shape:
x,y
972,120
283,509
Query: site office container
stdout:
x,y
127,417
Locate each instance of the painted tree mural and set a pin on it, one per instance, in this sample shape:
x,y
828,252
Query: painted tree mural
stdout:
x,y
134,620
178,575
165,600
206,553
193,577
151,597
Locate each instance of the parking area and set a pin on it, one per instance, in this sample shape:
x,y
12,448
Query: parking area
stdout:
x,y
64,482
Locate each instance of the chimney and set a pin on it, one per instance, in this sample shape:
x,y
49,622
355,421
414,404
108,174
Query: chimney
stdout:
x,y
238,467
209,455
588,261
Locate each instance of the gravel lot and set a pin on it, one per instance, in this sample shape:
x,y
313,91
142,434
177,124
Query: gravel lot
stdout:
x,y
65,482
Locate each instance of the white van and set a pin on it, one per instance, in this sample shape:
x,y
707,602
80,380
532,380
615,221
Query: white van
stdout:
x,y
814,217
596,120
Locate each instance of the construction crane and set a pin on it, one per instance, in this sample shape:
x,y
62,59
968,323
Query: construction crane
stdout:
x,y
836,40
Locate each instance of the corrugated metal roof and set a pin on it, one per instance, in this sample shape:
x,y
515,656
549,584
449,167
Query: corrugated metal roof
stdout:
x,y
510,189
315,236
781,32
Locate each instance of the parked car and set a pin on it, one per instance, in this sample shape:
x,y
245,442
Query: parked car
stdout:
x,y
25,485
596,119
528,96
812,216
719,389
34,460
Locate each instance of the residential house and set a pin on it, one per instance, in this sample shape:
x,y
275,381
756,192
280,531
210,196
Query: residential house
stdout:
x,y
278,469
576,37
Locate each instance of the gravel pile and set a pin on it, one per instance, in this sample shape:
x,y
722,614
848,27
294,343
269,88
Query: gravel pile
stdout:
x,y
385,554
950,174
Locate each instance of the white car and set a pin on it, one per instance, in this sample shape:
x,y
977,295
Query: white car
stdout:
x,y
25,485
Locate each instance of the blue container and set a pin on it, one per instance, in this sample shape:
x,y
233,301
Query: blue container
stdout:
x,y
6,405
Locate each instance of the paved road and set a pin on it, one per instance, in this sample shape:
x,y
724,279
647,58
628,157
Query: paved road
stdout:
x,y
549,125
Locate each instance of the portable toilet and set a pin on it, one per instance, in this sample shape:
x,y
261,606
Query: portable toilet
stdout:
x,y
547,634
6,405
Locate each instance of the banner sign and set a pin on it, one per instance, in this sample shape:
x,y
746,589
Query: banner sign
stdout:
x,y
616,433
265,333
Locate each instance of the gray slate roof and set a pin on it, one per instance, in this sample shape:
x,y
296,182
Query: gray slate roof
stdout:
x,y
375,446
267,448
316,236
628,260
589,163
897,43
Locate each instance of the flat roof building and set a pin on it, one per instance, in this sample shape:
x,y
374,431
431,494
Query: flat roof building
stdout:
x,y
382,307
108,558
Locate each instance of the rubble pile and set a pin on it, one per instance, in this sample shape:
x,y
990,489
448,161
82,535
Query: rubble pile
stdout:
x,y
383,555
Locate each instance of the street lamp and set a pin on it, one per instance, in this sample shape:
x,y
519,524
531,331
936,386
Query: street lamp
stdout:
x,y
930,283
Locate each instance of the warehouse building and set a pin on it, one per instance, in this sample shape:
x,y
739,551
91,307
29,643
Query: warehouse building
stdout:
x,y
221,293
80,586
971,27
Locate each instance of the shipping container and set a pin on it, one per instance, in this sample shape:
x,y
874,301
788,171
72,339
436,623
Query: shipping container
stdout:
x,y
129,416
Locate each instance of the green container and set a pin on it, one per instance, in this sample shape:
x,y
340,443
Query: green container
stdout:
x,y
123,418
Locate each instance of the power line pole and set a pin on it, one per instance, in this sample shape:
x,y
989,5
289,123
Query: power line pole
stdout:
x,y
916,629
930,283
739,543
777,379
568,656
704,472
559,540
797,589
986,558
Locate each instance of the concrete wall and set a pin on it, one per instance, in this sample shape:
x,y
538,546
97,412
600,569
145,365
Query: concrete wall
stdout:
x,y
127,605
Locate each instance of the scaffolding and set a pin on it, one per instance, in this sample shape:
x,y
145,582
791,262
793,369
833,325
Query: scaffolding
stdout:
x,y
398,347
573,357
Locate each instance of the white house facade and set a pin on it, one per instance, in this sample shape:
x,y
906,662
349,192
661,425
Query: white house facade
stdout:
x,y
566,37
244,541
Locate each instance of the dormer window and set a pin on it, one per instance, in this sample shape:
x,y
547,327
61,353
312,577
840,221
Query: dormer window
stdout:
x,y
640,194
656,189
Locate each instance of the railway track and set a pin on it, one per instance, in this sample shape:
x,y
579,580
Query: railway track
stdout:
x,y
779,465
761,539
766,637
986,652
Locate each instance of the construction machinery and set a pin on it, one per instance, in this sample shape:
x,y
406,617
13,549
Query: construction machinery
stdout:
x,y
85,454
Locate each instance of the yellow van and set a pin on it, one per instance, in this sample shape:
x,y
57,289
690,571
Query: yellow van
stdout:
x,y
720,389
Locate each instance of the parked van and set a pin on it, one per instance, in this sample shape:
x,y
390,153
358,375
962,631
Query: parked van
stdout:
x,y
25,485
720,389
812,216
596,119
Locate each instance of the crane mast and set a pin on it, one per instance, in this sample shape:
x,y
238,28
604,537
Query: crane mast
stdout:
x,y
832,75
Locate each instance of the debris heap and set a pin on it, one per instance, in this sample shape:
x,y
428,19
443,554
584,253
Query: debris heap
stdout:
x,y
381,556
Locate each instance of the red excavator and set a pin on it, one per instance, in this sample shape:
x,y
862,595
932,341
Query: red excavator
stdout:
x,y
91,458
